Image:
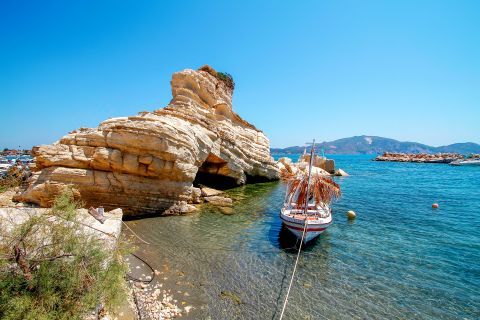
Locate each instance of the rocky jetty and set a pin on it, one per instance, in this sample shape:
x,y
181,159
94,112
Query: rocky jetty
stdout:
x,y
419,157
151,162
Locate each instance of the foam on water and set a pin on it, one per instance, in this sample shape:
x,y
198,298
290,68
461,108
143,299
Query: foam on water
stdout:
x,y
399,259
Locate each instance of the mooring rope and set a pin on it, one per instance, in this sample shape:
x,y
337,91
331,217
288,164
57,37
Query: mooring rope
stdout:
x,y
294,269
136,235
177,246
139,279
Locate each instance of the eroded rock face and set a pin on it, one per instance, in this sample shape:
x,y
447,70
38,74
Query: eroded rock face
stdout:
x,y
147,163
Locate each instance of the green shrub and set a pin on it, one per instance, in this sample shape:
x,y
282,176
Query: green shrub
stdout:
x,y
50,268
227,79
223,76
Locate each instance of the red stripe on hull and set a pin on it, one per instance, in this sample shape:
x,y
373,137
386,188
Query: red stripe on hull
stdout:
x,y
308,229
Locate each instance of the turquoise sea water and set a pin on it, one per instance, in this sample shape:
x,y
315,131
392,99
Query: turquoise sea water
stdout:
x,y
399,259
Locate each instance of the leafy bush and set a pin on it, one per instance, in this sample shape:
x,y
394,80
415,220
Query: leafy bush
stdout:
x,y
51,268
227,79
223,76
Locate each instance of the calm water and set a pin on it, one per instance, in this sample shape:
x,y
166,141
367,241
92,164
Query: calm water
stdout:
x,y
398,260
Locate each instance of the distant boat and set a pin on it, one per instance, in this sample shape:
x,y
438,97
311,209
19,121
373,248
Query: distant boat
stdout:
x,y
306,210
4,167
466,162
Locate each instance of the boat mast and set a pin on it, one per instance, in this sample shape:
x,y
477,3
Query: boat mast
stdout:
x,y
312,154
303,233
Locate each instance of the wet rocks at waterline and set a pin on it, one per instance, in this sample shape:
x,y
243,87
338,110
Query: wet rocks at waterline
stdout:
x,y
151,162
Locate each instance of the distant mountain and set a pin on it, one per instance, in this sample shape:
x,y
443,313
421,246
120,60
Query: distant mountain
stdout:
x,y
464,148
374,145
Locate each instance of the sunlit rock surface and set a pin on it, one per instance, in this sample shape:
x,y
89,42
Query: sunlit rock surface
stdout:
x,y
149,162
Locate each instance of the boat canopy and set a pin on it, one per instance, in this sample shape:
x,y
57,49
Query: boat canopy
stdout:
x,y
323,190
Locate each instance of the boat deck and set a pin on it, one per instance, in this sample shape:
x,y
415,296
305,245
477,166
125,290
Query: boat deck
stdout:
x,y
312,214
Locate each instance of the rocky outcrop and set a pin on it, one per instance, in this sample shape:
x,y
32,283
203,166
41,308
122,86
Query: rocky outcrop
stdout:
x,y
320,166
419,157
150,162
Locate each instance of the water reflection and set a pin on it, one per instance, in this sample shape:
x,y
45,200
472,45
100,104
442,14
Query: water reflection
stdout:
x,y
372,268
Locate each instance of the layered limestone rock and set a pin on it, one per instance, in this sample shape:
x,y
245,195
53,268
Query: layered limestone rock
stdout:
x,y
148,163
321,166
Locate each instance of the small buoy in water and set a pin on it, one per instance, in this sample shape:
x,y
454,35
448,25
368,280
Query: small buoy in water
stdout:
x,y
351,214
435,206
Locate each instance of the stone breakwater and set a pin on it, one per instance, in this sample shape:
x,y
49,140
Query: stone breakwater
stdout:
x,y
151,162
419,157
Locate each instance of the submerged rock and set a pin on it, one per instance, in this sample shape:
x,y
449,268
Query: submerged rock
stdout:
x,y
180,208
226,210
219,201
147,163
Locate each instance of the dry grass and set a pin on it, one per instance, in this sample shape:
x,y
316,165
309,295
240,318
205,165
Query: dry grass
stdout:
x,y
322,189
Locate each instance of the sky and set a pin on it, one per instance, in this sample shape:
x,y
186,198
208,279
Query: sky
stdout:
x,y
407,70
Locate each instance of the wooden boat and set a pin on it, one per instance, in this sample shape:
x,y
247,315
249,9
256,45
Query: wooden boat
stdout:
x,y
318,219
306,210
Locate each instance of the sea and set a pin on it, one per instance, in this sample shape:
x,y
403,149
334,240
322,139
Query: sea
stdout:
x,y
399,259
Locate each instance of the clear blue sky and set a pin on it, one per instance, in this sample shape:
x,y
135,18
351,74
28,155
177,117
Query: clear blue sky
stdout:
x,y
408,70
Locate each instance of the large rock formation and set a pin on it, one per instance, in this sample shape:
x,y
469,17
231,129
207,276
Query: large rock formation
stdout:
x,y
148,163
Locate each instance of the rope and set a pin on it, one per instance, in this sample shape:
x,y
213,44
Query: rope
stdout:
x,y
220,249
149,266
142,241
294,270
136,235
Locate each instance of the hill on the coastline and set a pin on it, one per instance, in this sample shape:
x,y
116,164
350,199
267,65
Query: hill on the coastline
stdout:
x,y
374,145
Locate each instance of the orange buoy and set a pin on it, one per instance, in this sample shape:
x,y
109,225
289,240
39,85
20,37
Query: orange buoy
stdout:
x,y
435,206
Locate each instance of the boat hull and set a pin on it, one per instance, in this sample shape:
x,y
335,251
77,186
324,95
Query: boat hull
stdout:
x,y
466,163
315,227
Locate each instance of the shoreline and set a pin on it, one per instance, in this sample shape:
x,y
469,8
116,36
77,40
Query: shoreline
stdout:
x,y
150,295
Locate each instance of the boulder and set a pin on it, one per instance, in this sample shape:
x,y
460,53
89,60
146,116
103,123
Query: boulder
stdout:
x,y
329,166
208,192
147,163
196,195
285,161
226,210
219,201
341,173
180,208
319,171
